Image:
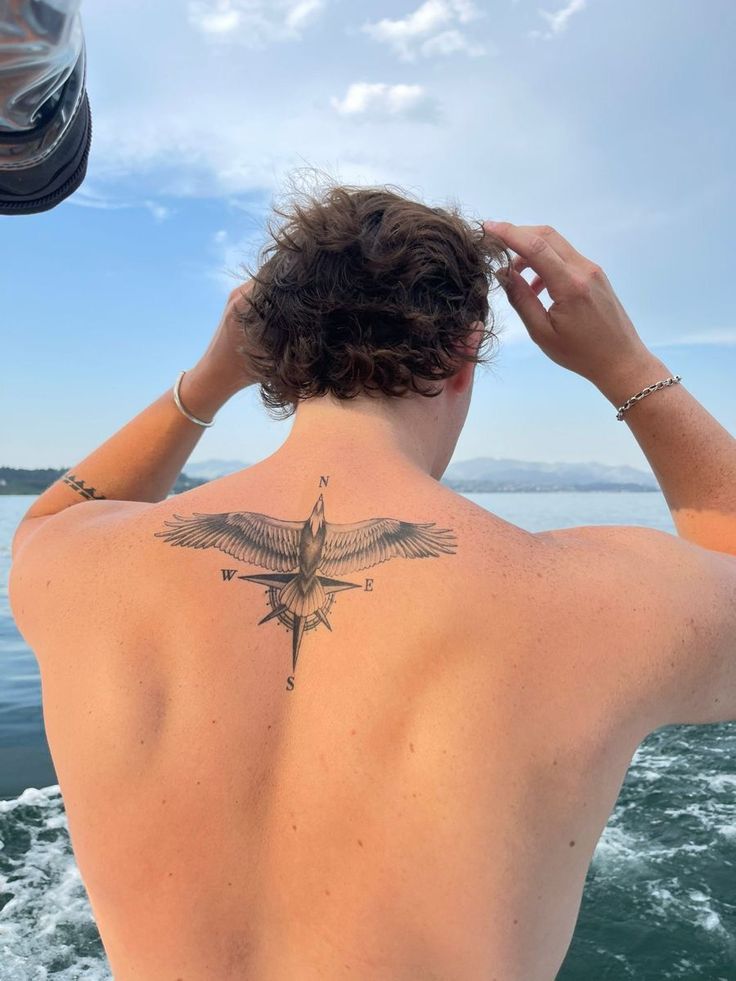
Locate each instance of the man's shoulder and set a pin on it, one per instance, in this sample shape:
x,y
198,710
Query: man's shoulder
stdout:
x,y
63,554
635,571
637,555
640,610
666,610
566,553
73,527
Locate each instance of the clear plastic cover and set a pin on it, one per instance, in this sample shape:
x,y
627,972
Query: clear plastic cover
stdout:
x,y
44,112
41,42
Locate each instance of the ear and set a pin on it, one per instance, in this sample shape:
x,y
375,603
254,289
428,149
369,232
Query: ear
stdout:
x,y
463,377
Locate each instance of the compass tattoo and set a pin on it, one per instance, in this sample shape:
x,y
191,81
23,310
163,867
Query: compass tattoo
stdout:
x,y
305,555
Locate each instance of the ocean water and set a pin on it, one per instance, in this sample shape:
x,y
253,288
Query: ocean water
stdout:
x,y
660,896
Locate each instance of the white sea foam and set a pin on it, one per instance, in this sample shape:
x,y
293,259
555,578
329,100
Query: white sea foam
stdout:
x,y
664,898
48,919
619,847
691,905
30,796
722,783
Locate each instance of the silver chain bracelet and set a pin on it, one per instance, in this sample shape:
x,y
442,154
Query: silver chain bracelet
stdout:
x,y
644,392
180,407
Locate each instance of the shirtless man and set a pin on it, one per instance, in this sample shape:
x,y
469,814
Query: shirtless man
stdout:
x,y
325,718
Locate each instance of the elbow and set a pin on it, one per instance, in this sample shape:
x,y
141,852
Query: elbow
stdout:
x,y
22,534
19,537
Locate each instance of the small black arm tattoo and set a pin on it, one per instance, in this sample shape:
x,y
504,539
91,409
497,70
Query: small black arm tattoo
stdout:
x,y
305,555
84,490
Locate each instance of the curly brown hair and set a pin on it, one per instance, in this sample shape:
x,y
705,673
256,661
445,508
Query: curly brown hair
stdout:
x,y
362,290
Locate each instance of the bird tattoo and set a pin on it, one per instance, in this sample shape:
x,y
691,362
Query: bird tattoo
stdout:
x,y
305,555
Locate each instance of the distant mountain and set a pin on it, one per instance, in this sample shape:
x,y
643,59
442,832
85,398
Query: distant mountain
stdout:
x,y
14,480
212,469
468,476
488,474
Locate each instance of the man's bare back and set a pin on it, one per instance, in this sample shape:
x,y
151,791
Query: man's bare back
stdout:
x,y
420,798
410,782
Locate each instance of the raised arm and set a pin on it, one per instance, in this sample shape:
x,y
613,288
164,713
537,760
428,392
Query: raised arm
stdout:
x,y
587,330
143,459
668,602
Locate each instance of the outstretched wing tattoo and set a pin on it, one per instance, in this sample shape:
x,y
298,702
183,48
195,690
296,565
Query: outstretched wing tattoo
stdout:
x,y
349,548
246,535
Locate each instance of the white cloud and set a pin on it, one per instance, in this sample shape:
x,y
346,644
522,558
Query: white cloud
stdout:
x,y
557,22
211,20
449,42
302,13
213,125
429,30
253,22
719,336
159,211
232,253
379,101
88,197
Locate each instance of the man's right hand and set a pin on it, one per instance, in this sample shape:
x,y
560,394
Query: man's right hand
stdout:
x,y
586,329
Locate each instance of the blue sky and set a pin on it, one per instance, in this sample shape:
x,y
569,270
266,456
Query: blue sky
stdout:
x,y
612,121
